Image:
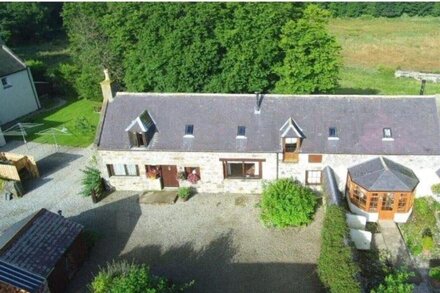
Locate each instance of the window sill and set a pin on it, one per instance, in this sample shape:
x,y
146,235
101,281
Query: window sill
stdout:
x,y
7,86
243,178
123,176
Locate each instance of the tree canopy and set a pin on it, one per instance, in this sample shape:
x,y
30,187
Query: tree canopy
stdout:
x,y
312,57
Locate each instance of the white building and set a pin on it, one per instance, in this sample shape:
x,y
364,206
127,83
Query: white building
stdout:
x,y
18,96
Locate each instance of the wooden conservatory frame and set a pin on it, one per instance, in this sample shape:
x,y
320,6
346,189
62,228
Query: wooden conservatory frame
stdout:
x,y
385,203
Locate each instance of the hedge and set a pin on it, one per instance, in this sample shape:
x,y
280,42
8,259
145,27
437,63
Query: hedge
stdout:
x,y
336,267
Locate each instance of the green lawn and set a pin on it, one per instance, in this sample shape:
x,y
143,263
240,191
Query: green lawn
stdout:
x,y
79,117
366,81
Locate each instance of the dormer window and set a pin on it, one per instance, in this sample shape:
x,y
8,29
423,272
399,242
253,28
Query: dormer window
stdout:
x,y
189,130
387,134
141,130
241,131
332,133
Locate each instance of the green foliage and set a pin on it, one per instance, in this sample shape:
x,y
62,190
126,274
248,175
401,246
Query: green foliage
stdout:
x,y
184,192
396,283
421,225
336,267
38,69
312,56
122,276
82,125
92,182
287,203
436,188
381,9
22,23
427,243
435,273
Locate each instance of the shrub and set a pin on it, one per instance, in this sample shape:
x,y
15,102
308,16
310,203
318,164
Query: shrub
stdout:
x,y
92,182
184,192
287,203
421,224
435,188
336,267
427,243
435,273
38,69
130,278
397,282
83,126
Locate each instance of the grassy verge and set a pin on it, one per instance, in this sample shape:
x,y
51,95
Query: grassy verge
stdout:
x,y
421,231
380,81
78,117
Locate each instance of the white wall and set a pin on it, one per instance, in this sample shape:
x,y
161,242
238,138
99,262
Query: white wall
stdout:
x,y
19,99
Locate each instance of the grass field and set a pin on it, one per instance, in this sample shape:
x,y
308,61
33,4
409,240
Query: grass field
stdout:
x,y
374,48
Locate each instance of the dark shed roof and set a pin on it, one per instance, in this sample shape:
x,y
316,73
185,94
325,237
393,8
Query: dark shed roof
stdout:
x,y
382,174
359,120
38,244
22,279
9,63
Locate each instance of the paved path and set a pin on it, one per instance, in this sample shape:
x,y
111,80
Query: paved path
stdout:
x,y
394,243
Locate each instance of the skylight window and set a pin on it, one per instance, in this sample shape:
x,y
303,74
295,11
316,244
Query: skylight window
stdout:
x,y
189,129
332,133
241,131
387,134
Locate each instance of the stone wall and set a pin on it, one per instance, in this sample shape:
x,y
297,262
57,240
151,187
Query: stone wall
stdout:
x,y
211,169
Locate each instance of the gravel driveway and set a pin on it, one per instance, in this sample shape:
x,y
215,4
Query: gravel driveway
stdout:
x,y
216,240
56,189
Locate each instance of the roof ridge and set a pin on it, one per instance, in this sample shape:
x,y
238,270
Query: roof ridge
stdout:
x,y
179,94
9,51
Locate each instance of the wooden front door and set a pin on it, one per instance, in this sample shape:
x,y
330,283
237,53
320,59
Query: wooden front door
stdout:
x,y
387,206
169,176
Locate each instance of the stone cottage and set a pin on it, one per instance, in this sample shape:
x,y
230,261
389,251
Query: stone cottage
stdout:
x,y
234,142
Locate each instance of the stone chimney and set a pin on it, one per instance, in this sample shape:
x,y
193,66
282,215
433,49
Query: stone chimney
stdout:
x,y
107,87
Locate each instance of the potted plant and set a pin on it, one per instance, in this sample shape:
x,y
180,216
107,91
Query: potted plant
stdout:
x,y
184,193
193,177
181,175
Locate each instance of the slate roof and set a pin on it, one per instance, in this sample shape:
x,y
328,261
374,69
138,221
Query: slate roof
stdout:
x,y
37,244
359,121
382,174
9,62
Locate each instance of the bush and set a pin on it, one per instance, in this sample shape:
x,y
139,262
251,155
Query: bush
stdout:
x,y
397,282
130,278
421,225
92,182
287,203
184,192
38,69
336,267
435,188
435,273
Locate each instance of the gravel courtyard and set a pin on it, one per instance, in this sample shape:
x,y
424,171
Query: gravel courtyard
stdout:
x,y
56,189
216,240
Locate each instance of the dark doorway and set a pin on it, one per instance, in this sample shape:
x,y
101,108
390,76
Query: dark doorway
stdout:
x,y
169,176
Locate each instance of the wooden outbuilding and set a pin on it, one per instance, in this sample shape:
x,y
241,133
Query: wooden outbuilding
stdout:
x,y
13,165
40,253
381,189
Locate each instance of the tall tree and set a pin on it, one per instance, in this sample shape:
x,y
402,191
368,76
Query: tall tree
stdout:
x,y
22,23
312,56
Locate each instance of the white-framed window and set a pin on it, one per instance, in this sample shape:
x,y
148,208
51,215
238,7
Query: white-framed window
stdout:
x,y
242,168
313,177
5,82
122,170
